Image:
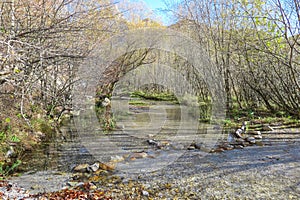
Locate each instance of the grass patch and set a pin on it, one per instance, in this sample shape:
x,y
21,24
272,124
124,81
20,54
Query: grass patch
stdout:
x,y
7,169
138,103
162,96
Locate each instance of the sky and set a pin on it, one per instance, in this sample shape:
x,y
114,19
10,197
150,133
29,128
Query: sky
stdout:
x,y
155,5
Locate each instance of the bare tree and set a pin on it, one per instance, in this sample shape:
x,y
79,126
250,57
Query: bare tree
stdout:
x,y
44,41
255,45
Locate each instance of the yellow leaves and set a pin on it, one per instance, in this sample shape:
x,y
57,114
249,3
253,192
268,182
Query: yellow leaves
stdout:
x,y
144,23
17,71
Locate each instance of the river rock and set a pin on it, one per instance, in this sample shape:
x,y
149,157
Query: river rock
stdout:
x,y
10,153
152,142
239,147
109,166
163,145
191,147
253,132
205,149
177,146
138,155
259,143
238,141
251,140
94,167
198,145
106,102
72,183
227,147
245,143
81,168
117,158
80,185
258,137
145,193
217,150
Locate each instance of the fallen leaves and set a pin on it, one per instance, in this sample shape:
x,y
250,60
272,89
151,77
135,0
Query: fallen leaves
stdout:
x,y
69,194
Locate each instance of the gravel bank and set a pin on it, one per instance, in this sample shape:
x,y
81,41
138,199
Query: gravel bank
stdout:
x,y
256,172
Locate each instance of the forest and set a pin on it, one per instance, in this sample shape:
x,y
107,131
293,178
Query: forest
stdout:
x,y
254,45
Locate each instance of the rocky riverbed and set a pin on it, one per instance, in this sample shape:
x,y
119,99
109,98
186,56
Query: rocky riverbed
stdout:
x,y
268,171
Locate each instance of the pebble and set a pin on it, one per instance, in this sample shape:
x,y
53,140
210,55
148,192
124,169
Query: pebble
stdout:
x,y
72,183
80,184
94,167
160,195
11,191
145,193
